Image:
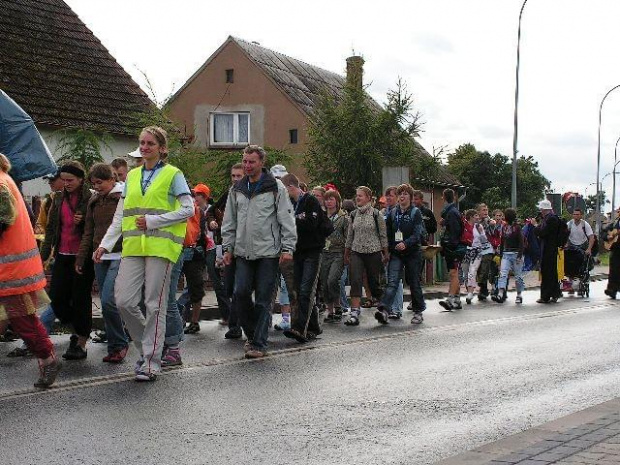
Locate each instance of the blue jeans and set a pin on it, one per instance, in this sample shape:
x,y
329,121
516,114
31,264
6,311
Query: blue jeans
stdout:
x,y
397,306
411,265
306,316
174,322
510,262
258,276
223,302
106,272
344,302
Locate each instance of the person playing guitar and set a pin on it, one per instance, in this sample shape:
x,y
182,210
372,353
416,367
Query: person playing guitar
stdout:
x,y
612,232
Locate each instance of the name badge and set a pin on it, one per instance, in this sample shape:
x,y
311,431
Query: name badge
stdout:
x,y
398,237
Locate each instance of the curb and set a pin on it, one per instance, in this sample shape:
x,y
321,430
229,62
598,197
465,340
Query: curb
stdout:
x,y
213,313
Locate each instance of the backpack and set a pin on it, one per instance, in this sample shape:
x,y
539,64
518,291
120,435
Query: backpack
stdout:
x,y
467,232
563,232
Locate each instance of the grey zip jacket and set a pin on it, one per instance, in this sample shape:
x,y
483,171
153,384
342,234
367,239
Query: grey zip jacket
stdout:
x,y
259,224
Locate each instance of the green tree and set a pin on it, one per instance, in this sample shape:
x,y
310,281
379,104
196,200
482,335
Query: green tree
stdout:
x,y
351,138
489,177
591,202
82,145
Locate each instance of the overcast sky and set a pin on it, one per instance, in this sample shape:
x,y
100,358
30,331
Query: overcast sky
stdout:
x,y
456,56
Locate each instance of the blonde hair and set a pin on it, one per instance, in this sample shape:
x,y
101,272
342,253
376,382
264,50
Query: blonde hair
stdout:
x,y
5,163
365,190
161,136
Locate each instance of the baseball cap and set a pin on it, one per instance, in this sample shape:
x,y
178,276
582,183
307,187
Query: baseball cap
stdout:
x,y
544,205
202,189
135,154
278,171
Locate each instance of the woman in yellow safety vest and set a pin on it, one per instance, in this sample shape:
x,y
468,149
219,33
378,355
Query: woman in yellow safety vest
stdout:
x,y
22,281
151,216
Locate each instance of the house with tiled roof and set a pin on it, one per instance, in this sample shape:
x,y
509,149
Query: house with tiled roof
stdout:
x,y
248,94
55,68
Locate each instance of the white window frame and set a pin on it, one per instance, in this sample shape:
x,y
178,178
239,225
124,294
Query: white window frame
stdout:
x,y
235,141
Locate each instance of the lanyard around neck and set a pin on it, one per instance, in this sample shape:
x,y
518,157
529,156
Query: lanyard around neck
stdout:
x,y
143,184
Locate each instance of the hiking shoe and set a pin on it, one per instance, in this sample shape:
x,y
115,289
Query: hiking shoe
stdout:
x,y
233,333
456,305
142,376
75,353
294,334
254,353
171,358
417,319
47,375
282,326
446,304
381,316
100,337
518,300
19,352
193,328
395,315
611,294
116,356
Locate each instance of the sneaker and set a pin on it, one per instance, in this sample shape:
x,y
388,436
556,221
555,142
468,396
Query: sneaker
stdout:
x,y
329,318
142,376
254,353
233,333
381,316
282,326
193,328
446,304
482,297
117,356
247,346
417,319
48,375
456,304
171,358
518,300
410,306
75,353
19,352
468,300
395,315
100,337
297,335
137,368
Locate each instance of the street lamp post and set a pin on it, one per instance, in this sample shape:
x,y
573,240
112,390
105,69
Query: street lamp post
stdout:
x,y
516,116
613,193
598,162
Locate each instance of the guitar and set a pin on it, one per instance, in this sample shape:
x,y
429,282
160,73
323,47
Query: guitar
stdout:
x,y
612,238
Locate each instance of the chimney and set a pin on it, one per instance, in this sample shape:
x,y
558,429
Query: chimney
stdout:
x,y
355,71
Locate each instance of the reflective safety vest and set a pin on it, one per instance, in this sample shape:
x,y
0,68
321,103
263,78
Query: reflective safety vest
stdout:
x,y
164,242
21,269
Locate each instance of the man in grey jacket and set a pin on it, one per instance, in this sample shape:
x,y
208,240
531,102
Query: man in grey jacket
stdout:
x,y
259,232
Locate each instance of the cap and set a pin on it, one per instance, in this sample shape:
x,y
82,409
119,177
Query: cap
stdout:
x,y
544,205
278,171
202,189
135,154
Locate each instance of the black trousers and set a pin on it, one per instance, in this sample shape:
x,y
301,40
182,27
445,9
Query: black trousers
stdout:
x,y
550,284
70,294
613,283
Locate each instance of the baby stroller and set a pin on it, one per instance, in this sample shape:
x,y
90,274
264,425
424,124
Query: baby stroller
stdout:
x,y
586,264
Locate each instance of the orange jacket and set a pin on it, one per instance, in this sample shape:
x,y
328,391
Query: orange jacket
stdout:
x,y
21,269
192,234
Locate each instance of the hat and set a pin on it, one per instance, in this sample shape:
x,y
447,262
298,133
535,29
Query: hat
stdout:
x,y
544,205
202,189
135,154
278,171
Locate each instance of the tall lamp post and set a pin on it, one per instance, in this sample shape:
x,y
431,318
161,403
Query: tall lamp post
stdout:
x,y
515,134
613,193
598,162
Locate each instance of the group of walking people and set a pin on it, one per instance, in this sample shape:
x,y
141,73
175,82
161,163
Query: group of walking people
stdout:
x,y
136,231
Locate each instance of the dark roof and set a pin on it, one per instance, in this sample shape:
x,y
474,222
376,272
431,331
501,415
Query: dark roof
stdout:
x,y
53,66
302,82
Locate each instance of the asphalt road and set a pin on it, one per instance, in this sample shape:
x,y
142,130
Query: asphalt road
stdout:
x,y
382,395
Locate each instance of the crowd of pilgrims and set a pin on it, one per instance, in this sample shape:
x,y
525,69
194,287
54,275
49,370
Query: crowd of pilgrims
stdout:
x,y
267,239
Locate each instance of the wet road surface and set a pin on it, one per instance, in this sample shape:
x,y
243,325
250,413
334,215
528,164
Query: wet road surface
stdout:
x,y
388,395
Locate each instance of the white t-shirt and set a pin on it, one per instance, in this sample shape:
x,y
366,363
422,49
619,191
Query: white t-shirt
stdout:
x,y
577,235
